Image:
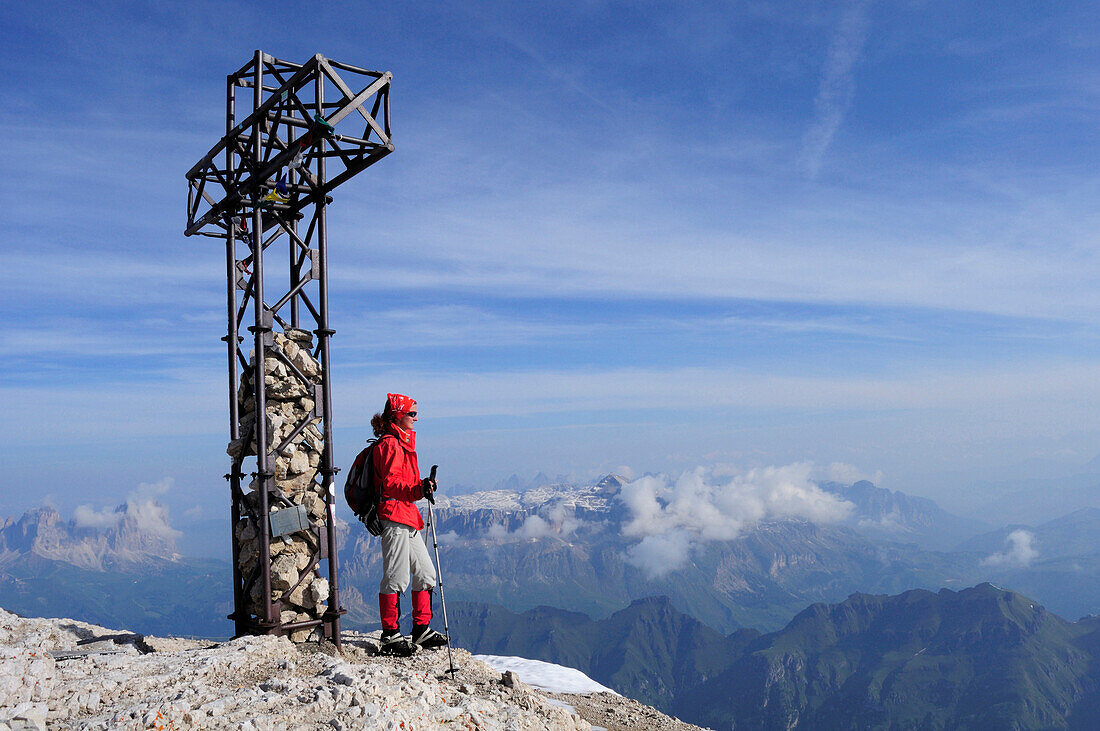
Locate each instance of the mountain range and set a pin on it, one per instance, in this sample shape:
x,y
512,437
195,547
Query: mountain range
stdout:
x,y
1037,499
1075,534
978,658
570,546
891,515
523,549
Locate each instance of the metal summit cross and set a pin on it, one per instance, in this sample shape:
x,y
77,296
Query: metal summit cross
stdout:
x,y
268,178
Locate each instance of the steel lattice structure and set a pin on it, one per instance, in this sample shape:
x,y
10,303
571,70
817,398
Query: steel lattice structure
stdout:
x,y
269,177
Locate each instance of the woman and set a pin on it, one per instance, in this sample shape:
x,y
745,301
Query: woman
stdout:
x,y
397,479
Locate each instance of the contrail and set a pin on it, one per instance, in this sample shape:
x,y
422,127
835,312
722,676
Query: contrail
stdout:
x,y
837,85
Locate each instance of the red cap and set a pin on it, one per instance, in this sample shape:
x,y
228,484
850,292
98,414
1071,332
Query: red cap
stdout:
x,y
400,404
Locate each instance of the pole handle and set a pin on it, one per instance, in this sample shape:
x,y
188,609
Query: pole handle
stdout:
x,y
429,491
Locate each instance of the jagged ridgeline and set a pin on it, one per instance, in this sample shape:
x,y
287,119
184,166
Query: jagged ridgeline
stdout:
x,y
289,402
979,658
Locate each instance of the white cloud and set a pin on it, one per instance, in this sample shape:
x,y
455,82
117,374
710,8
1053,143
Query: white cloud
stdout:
x,y
151,517
448,538
671,516
657,555
556,522
141,507
195,398
533,527
1019,551
848,474
889,522
150,490
88,517
448,325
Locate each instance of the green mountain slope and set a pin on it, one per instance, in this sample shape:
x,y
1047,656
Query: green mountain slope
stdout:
x,y
648,651
979,658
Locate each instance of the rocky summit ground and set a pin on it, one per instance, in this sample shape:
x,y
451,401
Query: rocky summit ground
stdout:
x,y
66,674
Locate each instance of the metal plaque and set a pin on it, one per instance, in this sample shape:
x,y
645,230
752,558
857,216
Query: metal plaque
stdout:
x,y
288,520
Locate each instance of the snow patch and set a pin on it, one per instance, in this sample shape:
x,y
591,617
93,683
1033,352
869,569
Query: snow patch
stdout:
x,y
545,675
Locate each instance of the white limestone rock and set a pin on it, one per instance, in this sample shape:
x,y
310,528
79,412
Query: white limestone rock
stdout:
x,y
252,683
289,402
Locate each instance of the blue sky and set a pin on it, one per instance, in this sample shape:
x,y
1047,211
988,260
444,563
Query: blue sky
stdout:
x,y
650,235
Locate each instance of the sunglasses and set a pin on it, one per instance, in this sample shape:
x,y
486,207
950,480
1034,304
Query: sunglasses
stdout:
x,y
410,413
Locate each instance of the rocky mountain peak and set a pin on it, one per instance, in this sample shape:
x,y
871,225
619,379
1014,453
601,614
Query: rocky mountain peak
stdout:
x,y
610,485
38,526
893,515
129,535
65,672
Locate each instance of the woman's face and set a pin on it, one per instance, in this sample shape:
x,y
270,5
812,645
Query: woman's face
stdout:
x,y
406,421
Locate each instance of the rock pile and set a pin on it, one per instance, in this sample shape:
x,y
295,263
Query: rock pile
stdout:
x,y
291,375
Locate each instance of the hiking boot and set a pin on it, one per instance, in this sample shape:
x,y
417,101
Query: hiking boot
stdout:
x,y
393,642
426,637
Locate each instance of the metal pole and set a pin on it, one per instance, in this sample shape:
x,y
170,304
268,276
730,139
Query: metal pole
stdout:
x,y
439,580
295,270
324,332
240,613
260,330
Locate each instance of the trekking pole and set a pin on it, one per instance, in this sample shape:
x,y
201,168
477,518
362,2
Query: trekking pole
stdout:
x,y
439,576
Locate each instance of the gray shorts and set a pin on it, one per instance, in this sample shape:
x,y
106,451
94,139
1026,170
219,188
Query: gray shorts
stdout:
x,y
404,552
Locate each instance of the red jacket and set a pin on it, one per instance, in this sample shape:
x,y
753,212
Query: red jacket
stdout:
x,y
398,475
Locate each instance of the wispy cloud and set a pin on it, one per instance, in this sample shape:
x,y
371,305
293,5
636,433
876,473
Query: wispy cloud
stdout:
x,y
838,85
461,325
551,391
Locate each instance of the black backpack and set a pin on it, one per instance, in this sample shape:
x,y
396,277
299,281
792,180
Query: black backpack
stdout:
x,y
359,492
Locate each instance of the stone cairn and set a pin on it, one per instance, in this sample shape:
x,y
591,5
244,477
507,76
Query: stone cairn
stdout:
x,y
289,401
